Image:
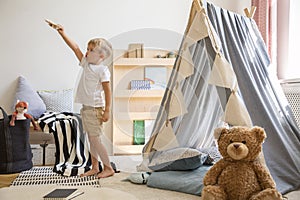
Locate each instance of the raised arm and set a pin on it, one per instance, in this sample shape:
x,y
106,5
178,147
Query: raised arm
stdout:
x,y
73,45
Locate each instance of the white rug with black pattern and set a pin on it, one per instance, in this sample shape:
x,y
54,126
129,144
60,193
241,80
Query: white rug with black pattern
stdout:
x,y
45,175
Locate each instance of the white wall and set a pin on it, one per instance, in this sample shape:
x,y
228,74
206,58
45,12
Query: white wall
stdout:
x,y
29,47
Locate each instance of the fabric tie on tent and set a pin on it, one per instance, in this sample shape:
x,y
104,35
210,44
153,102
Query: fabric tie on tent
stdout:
x,y
177,105
222,73
236,113
166,139
186,66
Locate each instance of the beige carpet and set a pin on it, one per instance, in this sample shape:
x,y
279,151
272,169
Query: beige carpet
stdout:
x,y
116,183
142,191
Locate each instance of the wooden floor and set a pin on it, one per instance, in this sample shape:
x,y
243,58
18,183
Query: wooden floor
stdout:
x,y
7,179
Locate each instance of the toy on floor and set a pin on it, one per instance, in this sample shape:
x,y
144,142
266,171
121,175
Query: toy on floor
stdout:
x,y
138,177
20,113
239,175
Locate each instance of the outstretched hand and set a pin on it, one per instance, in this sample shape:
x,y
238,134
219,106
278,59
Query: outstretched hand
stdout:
x,y
57,27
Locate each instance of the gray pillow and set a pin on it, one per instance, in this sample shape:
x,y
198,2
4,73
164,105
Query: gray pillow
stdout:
x,y
58,100
181,158
181,181
36,106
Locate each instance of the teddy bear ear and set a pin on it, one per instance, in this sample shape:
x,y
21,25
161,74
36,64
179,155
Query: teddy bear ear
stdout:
x,y
260,133
218,132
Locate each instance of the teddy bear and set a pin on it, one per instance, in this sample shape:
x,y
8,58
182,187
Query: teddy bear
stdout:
x,y
20,113
239,174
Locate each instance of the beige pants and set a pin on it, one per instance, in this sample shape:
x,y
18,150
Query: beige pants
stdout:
x,y
92,120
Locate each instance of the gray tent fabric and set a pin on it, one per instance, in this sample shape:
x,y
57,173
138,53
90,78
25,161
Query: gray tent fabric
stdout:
x,y
245,50
240,43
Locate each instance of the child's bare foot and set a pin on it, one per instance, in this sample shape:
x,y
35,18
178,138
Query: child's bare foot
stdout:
x,y
106,173
90,172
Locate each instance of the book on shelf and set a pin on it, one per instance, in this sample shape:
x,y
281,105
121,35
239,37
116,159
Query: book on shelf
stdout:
x,y
138,132
140,85
136,50
62,194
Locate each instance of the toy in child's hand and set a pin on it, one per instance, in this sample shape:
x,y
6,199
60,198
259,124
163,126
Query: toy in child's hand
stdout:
x,y
52,24
239,175
20,113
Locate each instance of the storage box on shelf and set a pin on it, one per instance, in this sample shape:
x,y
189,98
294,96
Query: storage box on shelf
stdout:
x,y
135,104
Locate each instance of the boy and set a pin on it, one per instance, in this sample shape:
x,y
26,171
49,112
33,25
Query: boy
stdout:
x,y
94,81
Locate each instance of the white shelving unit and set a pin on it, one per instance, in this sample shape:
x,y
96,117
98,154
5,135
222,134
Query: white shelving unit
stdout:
x,y
130,105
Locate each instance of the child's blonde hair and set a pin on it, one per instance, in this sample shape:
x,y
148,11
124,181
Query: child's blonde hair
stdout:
x,y
102,45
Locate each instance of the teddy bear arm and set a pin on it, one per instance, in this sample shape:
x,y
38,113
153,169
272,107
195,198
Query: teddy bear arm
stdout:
x,y
264,177
212,175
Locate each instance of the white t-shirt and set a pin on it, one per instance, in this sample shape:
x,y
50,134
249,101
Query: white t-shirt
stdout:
x,y
89,90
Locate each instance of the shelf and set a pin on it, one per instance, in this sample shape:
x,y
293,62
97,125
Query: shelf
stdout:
x,y
135,116
144,61
128,149
130,105
139,93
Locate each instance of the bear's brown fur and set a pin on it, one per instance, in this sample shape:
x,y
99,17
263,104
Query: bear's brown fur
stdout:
x,y
239,175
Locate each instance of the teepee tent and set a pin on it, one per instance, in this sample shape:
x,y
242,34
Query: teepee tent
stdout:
x,y
222,75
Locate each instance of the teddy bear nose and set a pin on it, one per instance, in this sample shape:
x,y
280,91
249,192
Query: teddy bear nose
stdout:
x,y
236,146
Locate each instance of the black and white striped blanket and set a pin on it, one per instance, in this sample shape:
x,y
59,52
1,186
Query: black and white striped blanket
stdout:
x,y
72,146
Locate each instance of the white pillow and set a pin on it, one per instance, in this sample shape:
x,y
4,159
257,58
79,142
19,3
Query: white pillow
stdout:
x,y
58,100
25,92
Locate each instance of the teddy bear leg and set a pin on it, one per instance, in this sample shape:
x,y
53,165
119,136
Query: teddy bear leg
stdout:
x,y
267,194
211,192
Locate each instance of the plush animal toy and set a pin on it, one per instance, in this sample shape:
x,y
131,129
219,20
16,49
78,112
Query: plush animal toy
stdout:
x,y
239,175
20,113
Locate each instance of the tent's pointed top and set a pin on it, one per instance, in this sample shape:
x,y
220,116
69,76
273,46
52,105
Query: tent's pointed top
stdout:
x,y
198,4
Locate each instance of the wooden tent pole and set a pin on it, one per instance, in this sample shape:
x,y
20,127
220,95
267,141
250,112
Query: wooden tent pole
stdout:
x,y
198,4
250,13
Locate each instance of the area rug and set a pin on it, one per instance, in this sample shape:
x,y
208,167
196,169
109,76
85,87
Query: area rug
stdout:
x,y
45,176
